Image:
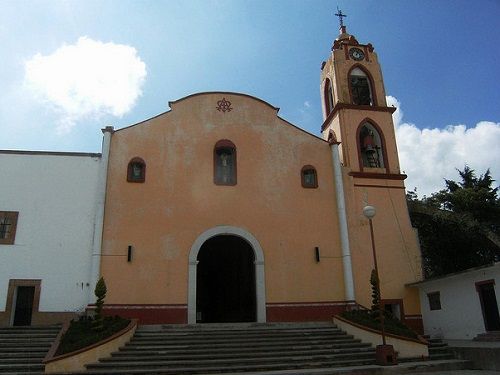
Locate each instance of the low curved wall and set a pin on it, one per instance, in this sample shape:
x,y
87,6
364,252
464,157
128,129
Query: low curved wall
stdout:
x,y
76,361
404,346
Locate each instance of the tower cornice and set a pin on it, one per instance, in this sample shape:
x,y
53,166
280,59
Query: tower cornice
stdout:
x,y
340,106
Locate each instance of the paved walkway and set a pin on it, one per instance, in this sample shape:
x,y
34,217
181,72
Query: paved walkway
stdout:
x,y
459,372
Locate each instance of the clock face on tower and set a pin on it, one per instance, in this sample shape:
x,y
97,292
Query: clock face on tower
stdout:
x,y
356,54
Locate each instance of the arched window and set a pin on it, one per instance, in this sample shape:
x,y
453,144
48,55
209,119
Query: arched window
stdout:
x,y
136,171
328,96
225,163
361,91
371,146
309,177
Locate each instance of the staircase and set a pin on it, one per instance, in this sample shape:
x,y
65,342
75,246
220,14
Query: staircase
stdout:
x,y
490,336
22,349
438,350
218,348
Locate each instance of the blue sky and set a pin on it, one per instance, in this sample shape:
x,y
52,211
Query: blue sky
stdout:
x,y
439,60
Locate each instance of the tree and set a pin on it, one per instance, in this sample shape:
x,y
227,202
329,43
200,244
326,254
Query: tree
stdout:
x,y
100,292
376,307
459,225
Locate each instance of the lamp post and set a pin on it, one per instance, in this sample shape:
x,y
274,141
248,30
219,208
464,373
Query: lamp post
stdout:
x,y
385,353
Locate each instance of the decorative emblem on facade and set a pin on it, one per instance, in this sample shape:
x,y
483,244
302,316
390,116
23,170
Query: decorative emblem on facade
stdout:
x,y
224,105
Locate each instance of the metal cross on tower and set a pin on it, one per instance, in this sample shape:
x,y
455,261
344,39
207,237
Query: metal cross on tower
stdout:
x,y
340,15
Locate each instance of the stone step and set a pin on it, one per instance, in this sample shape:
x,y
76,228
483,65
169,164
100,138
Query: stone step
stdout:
x,y
154,367
22,361
14,340
239,339
242,353
24,349
23,354
256,333
27,335
231,349
239,326
22,367
209,346
222,363
240,356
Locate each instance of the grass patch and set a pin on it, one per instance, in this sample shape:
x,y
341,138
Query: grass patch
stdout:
x,y
80,334
391,324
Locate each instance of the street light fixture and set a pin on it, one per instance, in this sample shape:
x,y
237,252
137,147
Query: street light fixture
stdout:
x,y
385,353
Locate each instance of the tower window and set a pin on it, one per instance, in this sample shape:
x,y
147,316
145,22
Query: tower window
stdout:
x,y
225,163
328,96
309,177
136,170
361,91
8,224
370,141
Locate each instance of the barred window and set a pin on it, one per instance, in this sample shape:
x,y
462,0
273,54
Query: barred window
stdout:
x,y
8,224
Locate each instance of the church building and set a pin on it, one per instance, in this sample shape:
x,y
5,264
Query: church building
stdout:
x,y
219,210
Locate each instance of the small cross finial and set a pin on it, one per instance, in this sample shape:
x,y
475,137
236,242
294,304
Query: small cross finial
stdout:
x,y
340,15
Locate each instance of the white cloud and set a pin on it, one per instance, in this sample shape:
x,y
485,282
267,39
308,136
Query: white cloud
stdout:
x,y
87,79
430,155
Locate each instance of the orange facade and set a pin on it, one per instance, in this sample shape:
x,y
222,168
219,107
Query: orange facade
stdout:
x,y
220,173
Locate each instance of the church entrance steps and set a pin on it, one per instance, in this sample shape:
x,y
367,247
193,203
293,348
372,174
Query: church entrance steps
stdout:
x,y
22,349
233,348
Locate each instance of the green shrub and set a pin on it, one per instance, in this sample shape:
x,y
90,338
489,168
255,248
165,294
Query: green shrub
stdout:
x,y
81,333
100,292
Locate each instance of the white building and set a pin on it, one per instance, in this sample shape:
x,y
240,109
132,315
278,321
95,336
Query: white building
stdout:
x,y
48,203
461,305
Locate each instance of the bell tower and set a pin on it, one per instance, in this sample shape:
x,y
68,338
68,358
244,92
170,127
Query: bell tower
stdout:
x,y
355,110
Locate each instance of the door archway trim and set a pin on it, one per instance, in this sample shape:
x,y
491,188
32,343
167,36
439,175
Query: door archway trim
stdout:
x,y
260,285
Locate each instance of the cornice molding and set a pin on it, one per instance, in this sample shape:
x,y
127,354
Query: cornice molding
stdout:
x,y
382,176
339,106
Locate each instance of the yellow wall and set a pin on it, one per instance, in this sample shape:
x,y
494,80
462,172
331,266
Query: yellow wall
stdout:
x,y
162,217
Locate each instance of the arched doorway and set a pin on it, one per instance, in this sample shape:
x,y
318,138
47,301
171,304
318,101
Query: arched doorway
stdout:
x,y
258,269
225,281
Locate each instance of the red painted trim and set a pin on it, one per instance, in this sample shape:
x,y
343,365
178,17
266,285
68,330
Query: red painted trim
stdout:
x,y
383,176
303,312
370,79
340,106
380,186
149,314
382,140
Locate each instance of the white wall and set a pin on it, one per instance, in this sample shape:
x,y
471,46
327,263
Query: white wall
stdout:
x,y
55,196
460,316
